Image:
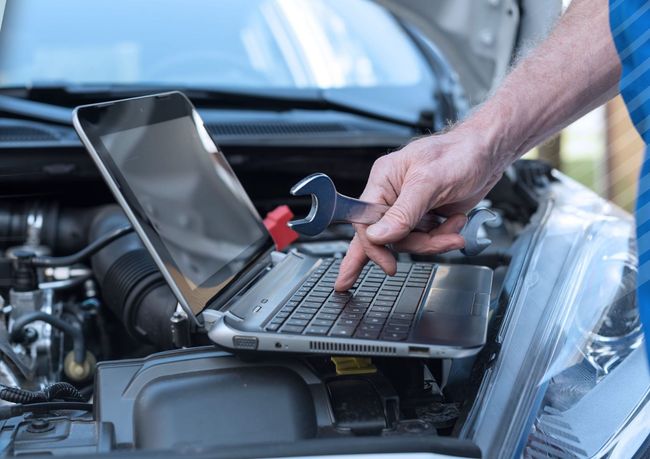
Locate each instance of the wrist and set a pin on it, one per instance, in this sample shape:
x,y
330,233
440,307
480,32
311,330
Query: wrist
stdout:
x,y
488,134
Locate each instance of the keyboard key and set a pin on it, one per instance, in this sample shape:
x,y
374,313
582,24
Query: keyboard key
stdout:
x,y
381,315
348,322
416,284
388,304
393,284
296,329
339,298
311,304
361,302
326,316
380,309
362,298
419,279
399,322
367,326
394,336
342,330
378,279
272,327
372,282
351,315
396,328
322,322
355,309
367,334
298,322
387,296
282,315
317,296
316,330
402,315
306,310
374,320
302,315
409,300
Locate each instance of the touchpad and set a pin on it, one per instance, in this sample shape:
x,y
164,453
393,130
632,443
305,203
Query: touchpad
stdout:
x,y
453,302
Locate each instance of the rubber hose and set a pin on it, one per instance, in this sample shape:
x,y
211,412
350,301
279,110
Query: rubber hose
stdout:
x,y
75,333
131,283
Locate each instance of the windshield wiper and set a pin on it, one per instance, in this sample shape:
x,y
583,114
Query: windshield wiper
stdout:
x,y
40,111
254,99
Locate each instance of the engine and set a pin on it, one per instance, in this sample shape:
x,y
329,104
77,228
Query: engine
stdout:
x,y
61,314
85,313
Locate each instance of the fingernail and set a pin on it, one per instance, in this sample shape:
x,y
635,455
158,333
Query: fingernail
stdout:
x,y
378,230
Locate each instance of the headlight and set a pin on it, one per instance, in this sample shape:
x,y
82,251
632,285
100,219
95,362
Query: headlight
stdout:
x,y
571,378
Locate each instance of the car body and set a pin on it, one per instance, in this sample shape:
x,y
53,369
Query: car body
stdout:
x,y
288,88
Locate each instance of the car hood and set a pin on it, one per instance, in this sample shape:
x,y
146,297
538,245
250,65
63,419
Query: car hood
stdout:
x,y
479,38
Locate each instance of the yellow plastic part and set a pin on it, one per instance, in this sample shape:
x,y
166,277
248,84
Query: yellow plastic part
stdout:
x,y
353,365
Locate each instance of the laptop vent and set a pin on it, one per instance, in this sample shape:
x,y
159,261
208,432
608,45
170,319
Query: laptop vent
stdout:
x,y
271,129
356,348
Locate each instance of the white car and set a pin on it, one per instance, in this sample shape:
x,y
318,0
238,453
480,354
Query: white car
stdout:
x,y
287,88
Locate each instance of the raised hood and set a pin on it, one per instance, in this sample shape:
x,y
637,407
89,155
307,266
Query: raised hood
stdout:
x,y
479,38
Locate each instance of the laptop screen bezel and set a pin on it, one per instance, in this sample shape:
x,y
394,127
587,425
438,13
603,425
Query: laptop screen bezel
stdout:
x,y
141,112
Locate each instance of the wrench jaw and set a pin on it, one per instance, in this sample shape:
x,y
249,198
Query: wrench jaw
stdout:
x,y
323,200
474,244
310,225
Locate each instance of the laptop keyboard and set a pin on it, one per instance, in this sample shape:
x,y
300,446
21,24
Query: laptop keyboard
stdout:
x,y
376,307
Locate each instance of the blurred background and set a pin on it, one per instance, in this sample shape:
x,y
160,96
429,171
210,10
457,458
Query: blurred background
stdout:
x,y
602,150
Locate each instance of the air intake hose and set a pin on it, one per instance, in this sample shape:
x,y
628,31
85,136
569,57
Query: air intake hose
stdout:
x,y
131,284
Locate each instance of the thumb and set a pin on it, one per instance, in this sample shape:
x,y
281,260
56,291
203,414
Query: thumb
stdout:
x,y
400,219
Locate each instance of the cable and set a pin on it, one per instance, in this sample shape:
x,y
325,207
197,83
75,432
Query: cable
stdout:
x,y
65,283
84,253
78,342
57,391
10,411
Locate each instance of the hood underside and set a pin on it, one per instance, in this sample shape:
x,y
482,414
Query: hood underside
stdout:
x,y
479,37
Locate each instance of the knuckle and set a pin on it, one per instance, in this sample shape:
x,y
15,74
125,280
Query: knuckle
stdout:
x,y
380,164
400,216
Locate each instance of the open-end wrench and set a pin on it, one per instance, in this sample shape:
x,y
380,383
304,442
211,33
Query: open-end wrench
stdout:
x,y
328,206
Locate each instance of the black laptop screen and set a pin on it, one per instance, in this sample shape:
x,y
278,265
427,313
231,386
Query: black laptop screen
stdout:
x,y
185,197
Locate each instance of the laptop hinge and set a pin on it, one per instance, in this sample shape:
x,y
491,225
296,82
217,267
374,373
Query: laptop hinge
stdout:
x,y
264,262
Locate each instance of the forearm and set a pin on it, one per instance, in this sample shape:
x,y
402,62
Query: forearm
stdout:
x,y
572,72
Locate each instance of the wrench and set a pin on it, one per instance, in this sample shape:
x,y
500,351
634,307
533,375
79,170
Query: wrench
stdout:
x,y
328,206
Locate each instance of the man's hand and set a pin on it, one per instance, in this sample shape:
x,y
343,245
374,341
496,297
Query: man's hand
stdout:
x,y
572,72
450,173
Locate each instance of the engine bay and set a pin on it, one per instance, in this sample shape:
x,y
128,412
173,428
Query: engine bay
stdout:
x,y
101,320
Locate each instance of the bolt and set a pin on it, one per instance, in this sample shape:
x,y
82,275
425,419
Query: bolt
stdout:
x,y
40,424
30,335
486,37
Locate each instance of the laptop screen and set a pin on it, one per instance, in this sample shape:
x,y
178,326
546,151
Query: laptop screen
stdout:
x,y
182,192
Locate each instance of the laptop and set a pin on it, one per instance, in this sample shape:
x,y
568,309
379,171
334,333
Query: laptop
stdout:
x,y
207,239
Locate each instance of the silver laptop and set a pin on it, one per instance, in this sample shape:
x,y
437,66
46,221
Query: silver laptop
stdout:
x,y
203,232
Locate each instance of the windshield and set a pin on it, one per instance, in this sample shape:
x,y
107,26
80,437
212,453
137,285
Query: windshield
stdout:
x,y
217,43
